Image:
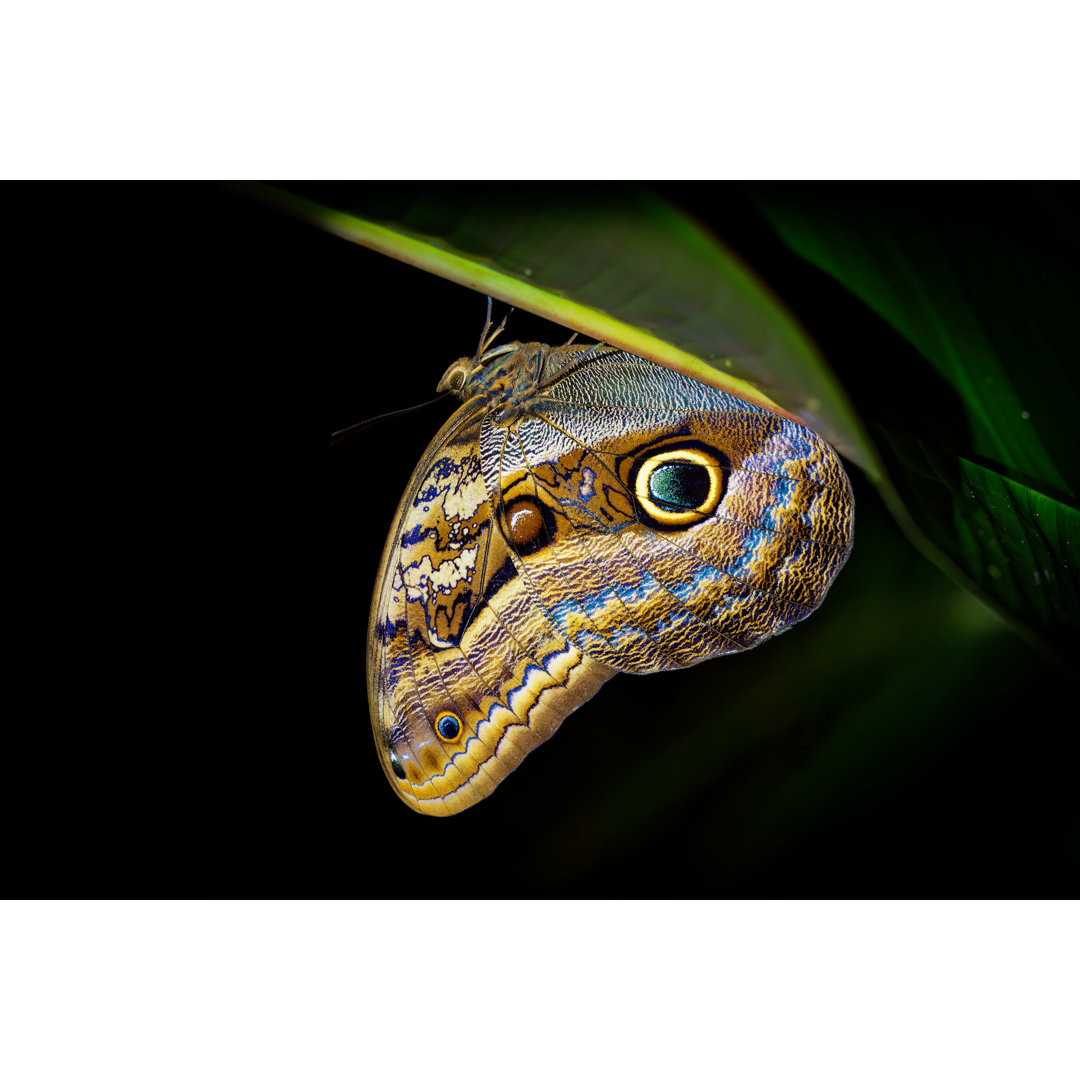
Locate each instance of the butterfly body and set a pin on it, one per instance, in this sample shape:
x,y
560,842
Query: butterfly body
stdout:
x,y
584,512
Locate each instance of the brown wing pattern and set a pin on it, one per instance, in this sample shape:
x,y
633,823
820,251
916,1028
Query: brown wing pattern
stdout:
x,y
586,512
455,636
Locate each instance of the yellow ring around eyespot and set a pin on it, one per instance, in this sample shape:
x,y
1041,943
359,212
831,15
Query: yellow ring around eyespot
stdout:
x,y
690,456
460,727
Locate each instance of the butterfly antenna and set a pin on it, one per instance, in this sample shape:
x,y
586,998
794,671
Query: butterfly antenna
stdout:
x,y
486,338
352,429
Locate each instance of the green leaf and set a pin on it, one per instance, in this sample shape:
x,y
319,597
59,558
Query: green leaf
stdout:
x,y
1015,543
978,430
974,420
619,264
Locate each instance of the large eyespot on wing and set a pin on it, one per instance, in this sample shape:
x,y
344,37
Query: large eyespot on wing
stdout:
x,y
593,584
679,486
688,527
466,675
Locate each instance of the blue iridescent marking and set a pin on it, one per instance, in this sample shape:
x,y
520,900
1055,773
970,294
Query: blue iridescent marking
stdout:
x,y
521,687
738,566
416,534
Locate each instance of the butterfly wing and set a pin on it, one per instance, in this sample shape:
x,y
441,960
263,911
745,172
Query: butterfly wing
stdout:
x,y
627,519
669,532
466,674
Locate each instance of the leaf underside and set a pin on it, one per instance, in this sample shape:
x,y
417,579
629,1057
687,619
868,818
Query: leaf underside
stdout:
x,y
964,426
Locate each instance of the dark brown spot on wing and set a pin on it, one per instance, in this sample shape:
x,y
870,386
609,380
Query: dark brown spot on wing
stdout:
x,y
524,522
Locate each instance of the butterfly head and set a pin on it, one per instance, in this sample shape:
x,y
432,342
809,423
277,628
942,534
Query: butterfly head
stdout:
x,y
505,376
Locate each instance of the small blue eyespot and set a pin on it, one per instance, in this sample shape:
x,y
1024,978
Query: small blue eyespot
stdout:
x,y
448,727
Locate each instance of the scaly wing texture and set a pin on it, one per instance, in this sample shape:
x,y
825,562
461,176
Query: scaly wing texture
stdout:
x,y
456,638
641,588
537,553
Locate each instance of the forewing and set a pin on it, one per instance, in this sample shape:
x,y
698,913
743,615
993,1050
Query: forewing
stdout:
x,y
466,672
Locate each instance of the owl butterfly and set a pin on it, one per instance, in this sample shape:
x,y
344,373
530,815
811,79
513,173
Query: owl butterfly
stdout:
x,y
584,512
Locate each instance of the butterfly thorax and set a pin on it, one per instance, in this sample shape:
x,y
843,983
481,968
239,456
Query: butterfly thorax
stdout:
x,y
505,378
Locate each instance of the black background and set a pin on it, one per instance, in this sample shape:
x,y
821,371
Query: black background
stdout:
x,y
238,559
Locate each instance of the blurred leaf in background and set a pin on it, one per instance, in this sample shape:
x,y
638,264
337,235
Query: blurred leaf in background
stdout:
x,y
978,428
616,262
